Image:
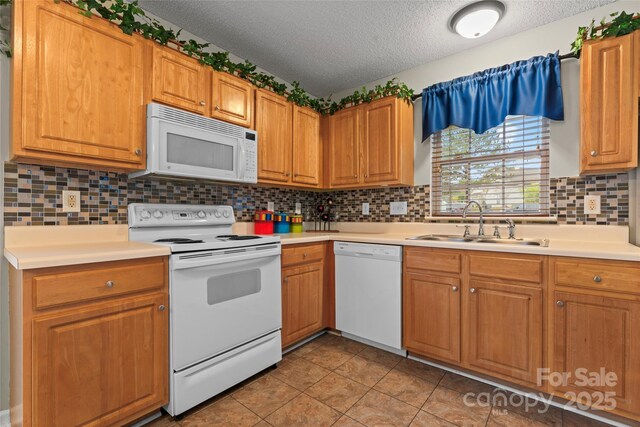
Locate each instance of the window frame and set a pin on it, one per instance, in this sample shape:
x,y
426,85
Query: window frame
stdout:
x,y
542,151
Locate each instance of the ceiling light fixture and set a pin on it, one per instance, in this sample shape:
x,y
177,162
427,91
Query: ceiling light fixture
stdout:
x,y
477,19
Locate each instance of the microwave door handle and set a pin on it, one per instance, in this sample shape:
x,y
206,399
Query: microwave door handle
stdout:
x,y
242,160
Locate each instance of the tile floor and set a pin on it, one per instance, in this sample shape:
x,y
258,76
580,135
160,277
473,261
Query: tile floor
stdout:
x,y
333,381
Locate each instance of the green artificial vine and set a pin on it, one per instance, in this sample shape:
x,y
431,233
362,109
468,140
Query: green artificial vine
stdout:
x,y
130,18
622,23
5,43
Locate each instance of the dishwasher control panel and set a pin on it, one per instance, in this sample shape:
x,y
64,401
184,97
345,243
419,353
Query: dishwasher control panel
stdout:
x,y
368,250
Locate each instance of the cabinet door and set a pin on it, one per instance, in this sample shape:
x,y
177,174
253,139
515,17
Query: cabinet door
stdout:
x,y
609,104
179,80
504,326
595,333
344,148
78,89
302,294
380,145
273,124
306,147
232,99
102,364
431,311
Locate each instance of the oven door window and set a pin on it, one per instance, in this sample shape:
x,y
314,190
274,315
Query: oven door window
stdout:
x,y
232,286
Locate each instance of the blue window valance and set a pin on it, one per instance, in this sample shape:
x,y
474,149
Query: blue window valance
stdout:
x,y
483,100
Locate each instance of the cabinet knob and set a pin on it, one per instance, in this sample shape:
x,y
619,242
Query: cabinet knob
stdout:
x,y
304,256
597,279
560,303
454,288
472,290
286,174
217,108
109,284
138,151
161,307
594,153
355,176
203,103
366,175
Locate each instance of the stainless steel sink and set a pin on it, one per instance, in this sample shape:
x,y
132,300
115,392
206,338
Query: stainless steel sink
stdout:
x,y
480,239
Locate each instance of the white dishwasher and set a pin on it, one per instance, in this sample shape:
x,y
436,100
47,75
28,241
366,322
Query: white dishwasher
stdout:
x,y
369,293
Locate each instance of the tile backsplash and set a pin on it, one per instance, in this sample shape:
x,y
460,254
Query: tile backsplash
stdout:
x,y
33,196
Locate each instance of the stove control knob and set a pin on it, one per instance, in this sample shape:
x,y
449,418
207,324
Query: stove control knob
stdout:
x,y
216,213
157,214
226,214
201,214
144,214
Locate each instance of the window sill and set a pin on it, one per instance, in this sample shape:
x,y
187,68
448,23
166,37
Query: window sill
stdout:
x,y
492,219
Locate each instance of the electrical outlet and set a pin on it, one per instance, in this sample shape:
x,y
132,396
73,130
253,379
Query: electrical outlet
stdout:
x,y
592,205
398,208
365,209
271,206
298,208
70,201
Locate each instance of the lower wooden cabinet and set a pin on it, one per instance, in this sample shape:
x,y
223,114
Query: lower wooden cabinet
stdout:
x,y
431,310
307,290
302,295
592,334
101,360
504,330
103,363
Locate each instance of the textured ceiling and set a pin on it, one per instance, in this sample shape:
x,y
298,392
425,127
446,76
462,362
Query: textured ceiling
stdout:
x,y
330,46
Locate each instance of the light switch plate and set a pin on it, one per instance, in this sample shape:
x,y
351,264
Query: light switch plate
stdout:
x,y
365,209
70,201
592,205
298,208
398,208
270,206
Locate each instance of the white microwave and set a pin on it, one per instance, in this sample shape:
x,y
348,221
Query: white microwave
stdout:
x,y
187,145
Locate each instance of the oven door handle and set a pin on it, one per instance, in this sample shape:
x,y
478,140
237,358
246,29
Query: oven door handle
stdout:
x,y
200,259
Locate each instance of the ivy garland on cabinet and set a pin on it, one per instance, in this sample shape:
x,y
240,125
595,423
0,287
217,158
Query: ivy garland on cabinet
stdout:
x,y
622,23
130,18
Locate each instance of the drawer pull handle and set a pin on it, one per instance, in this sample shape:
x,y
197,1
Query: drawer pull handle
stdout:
x,y
161,307
454,288
597,279
203,103
109,284
472,290
560,303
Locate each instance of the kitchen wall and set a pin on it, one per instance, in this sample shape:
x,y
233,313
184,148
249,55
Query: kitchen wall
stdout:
x,y
4,288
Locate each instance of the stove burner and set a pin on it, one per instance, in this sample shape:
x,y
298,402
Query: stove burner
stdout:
x,y
226,236
244,237
178,240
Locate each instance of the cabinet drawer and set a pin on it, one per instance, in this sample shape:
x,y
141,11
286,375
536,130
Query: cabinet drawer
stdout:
x,y
66,285
597,274
441,260
521,268
302,253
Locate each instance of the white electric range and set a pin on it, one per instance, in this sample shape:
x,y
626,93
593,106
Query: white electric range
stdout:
x,y
225,298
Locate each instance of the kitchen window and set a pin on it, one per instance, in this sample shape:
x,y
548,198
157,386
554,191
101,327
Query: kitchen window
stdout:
x,y
505,169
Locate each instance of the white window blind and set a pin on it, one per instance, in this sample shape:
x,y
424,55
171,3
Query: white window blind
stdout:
x,y
505,169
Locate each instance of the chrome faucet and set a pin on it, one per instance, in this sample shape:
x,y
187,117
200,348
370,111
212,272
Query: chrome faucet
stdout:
x,y
464,215
512,228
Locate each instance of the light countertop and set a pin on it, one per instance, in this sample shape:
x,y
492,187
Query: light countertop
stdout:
x,y
573,248
50,246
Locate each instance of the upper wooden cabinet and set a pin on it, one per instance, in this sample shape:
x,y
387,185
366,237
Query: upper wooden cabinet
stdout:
x,y
609,74
343,149
231,99
273,123
178,80
289,146
306,149
77,89
371,145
